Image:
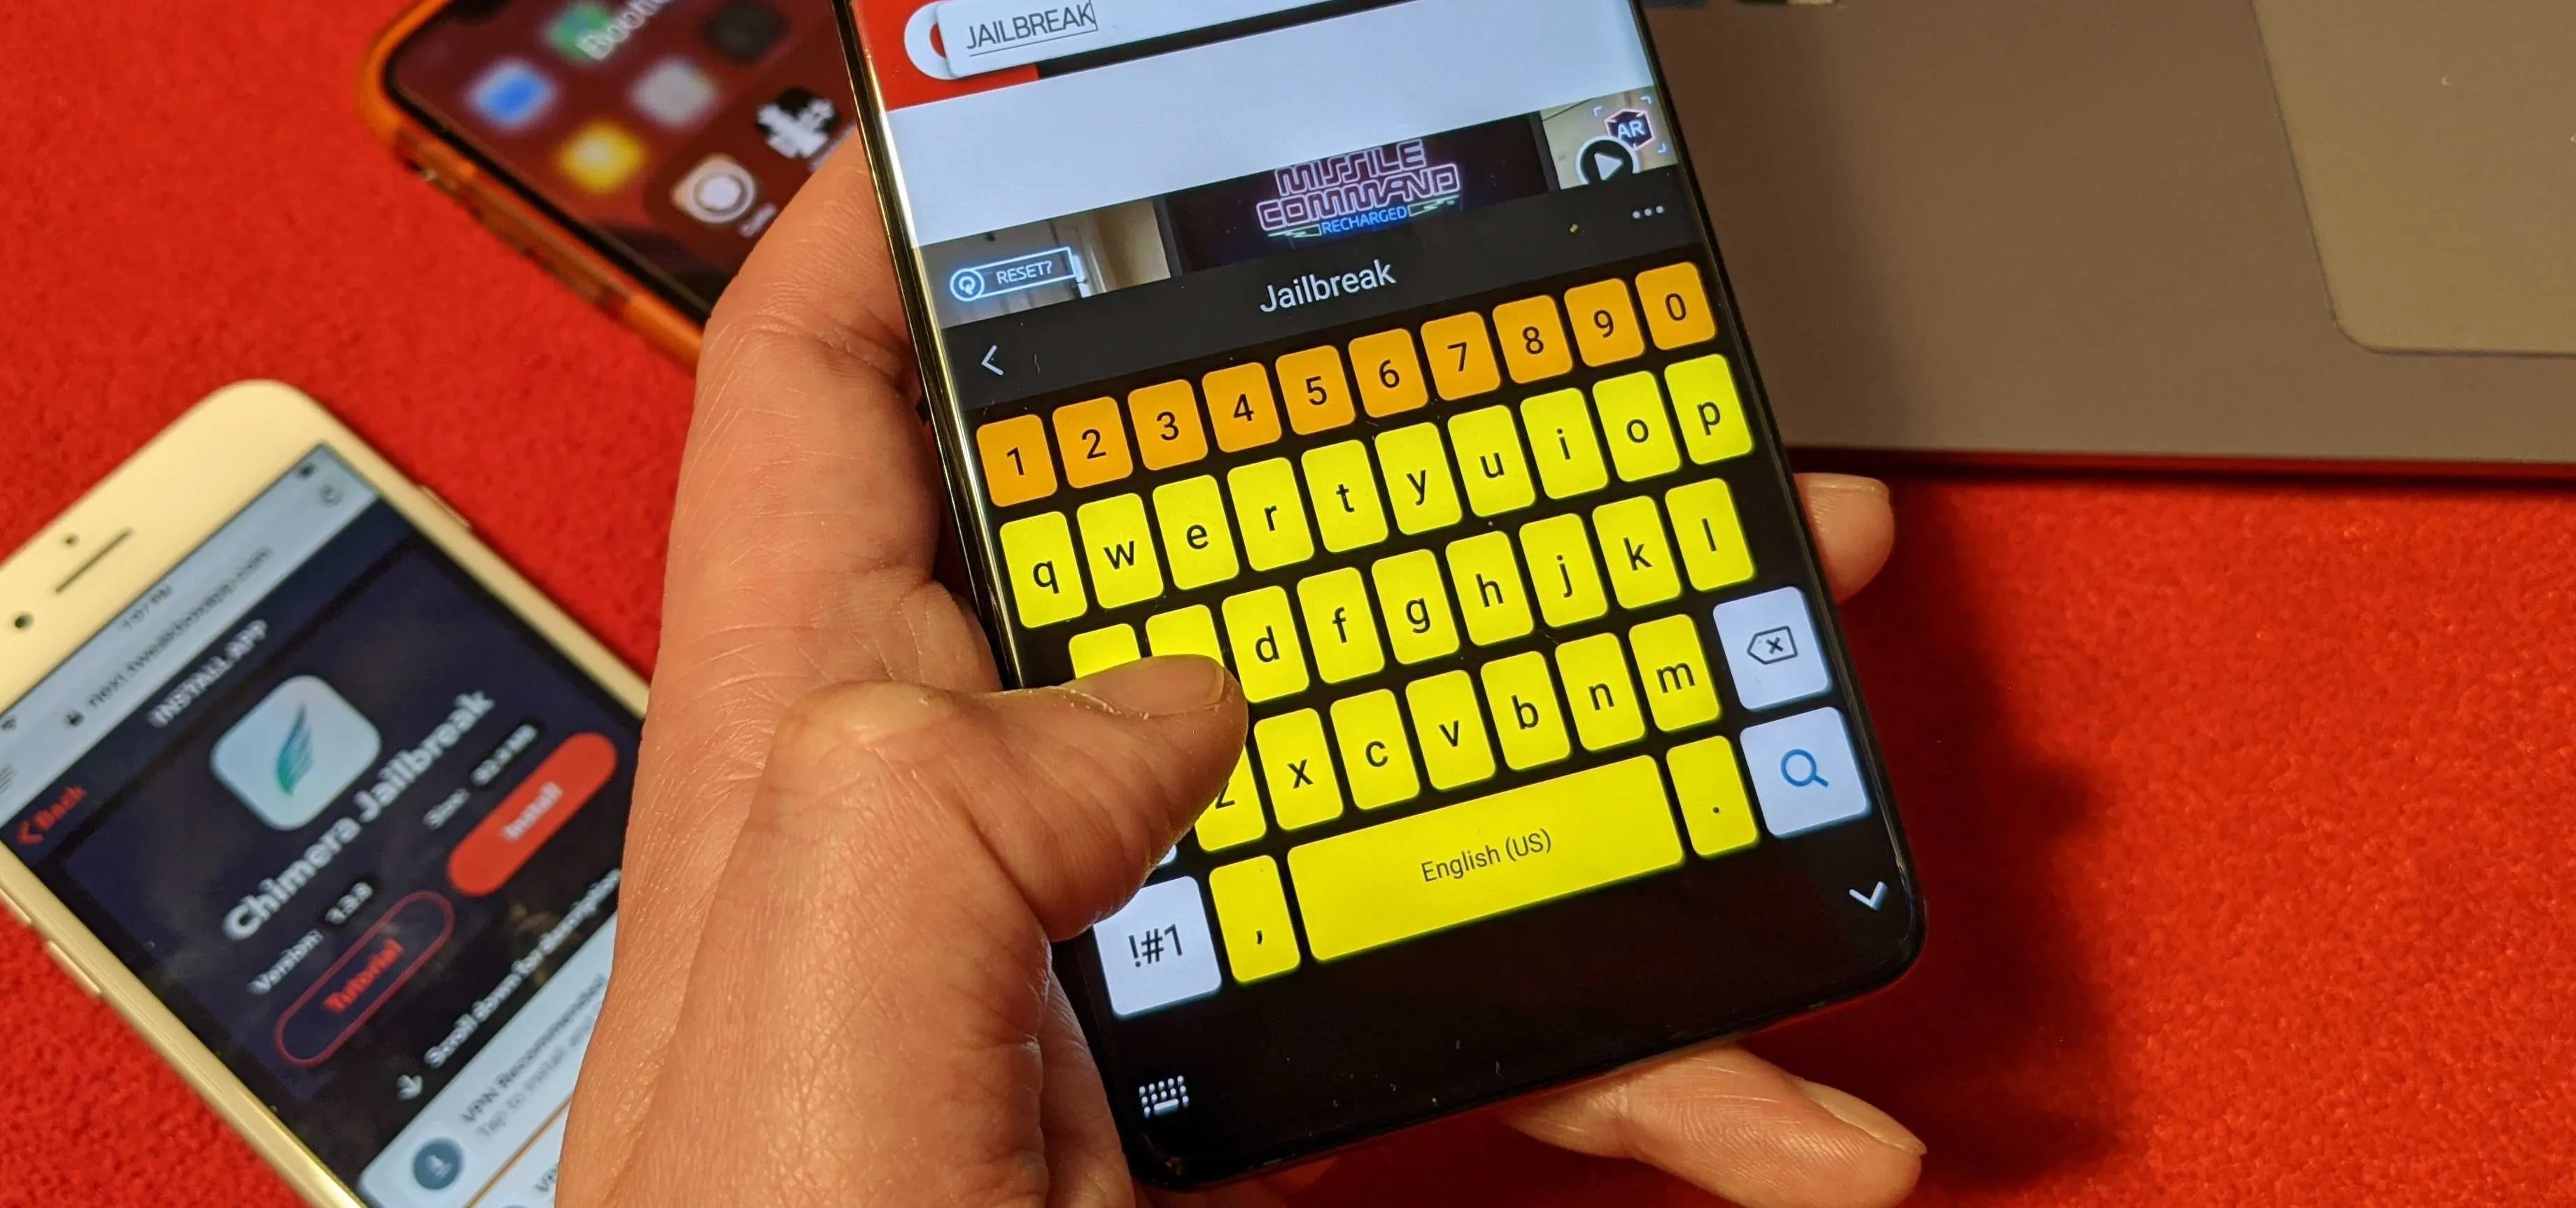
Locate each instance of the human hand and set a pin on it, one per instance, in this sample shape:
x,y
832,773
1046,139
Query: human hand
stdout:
x,y
849,852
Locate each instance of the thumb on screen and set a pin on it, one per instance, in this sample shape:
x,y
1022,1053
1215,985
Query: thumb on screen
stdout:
x,y
1074,792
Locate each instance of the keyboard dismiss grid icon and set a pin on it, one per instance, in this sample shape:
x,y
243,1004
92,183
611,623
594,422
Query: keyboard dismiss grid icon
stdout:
x,y
1164,1097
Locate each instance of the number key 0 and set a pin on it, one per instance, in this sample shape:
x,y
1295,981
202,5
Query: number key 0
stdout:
x,y
1676,306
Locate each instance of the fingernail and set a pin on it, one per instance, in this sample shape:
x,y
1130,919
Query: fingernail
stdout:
x,y
1851,484
1156,687
1851,1110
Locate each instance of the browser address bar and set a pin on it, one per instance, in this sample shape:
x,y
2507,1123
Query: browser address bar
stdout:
x,y
953,39
194,608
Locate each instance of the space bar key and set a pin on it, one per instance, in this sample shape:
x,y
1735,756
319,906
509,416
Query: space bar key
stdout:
x,y
1477,859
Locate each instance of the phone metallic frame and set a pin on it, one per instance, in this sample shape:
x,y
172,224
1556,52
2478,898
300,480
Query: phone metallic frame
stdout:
x,y
167,499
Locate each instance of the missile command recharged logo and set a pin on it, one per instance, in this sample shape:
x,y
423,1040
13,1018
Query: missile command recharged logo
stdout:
x,y
293,754
1360,191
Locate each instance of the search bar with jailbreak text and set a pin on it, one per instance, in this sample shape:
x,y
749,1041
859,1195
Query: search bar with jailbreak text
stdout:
x,y
954,39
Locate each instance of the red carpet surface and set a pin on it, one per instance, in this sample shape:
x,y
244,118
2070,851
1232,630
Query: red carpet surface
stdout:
x,y
2243,807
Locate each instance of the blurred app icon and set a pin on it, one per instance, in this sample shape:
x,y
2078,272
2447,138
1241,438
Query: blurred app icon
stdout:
x,y
585,32
799,124
600,156
744,30
512,95
294,752
717,191
674,93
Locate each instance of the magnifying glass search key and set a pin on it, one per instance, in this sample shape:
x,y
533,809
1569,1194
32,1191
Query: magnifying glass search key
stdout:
x,y
1804,773
1800,769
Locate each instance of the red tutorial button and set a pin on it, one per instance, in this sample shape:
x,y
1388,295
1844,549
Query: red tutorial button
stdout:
x,y
531,814
363,978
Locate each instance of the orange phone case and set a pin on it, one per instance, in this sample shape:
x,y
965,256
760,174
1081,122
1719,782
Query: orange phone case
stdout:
x,y
501,205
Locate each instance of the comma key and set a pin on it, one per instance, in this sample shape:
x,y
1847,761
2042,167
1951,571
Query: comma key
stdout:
x,y
1251,906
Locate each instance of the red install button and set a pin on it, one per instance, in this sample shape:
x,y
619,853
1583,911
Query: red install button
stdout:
x,y
531,814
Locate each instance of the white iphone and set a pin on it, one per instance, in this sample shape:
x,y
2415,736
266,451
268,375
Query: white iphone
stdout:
x,y
323,798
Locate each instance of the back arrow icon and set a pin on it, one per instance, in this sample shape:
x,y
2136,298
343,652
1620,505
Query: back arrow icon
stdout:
x,y
989,354
1875,898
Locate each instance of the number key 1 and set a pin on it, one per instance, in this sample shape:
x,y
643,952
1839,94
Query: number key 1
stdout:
x,y
1016,466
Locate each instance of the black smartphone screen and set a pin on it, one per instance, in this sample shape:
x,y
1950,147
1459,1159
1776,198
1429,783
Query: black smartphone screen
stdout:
x,y
1380,351
356,824
667,134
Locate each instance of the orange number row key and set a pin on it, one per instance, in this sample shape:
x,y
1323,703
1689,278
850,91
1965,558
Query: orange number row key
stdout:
x,y
1243,411
1532,334
1676,305
1604,315
1093,437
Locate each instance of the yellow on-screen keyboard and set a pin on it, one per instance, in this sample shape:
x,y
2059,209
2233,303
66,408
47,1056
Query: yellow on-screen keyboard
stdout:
x,y
1464,568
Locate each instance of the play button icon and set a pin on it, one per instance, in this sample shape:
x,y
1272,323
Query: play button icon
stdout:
x,y
1605,159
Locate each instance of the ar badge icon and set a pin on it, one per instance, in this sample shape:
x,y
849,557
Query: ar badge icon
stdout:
x,y
294,753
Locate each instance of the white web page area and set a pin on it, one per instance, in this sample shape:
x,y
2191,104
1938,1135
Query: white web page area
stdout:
x,y
491,1124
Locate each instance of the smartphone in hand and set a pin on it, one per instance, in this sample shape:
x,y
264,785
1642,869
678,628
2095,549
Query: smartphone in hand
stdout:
x,y
1382,351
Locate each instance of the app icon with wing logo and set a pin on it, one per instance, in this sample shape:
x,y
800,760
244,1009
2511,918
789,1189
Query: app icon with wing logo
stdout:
x,y
295,752
295,757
